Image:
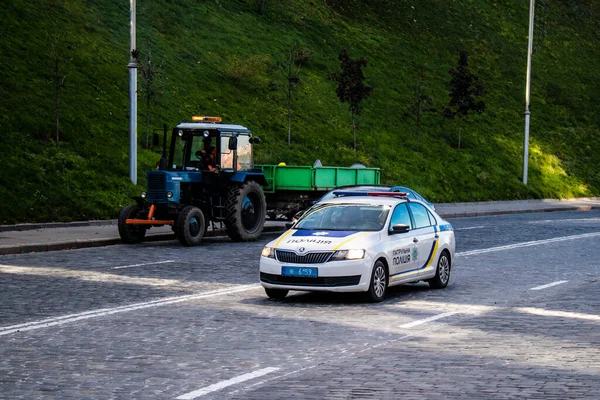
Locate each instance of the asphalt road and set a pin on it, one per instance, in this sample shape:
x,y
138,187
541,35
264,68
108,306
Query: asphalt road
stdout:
x,y
157,320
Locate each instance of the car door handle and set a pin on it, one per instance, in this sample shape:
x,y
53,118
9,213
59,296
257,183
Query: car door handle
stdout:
x,y
437,236
415,240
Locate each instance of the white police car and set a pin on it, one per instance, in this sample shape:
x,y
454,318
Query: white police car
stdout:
x,y
360,242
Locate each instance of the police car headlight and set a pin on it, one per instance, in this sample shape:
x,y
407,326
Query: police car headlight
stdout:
x,y
143,195
354,254
268,252
169,194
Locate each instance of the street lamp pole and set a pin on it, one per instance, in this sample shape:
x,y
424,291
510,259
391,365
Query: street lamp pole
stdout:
x,y
527,91
132,99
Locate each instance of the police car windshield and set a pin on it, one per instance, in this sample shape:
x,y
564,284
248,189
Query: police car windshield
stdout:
x,y
345,217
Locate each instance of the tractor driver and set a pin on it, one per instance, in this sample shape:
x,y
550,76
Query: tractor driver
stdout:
x,y
210,159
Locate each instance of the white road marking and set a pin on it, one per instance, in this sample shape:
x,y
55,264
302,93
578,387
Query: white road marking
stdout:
x,y
527,244
228,382
557,313
545,221
141,265
426,320
345,356
469,228
548,285
171,300
65,319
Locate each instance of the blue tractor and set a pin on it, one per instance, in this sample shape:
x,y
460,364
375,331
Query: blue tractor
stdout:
x,y
207,177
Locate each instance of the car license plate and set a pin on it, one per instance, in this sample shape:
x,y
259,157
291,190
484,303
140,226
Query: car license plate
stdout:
x,y
296,271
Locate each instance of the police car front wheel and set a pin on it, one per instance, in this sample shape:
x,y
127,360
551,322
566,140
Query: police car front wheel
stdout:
x,y
379,282
442,273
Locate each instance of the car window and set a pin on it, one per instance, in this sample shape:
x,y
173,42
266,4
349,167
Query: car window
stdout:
x,y
400,216
432,218
420,215
345,217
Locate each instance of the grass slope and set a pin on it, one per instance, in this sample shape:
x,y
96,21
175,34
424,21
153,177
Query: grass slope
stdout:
x,y
219,57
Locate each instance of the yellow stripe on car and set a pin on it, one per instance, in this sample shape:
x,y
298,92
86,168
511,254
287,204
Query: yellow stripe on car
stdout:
x,y
435,247
283,237
356,236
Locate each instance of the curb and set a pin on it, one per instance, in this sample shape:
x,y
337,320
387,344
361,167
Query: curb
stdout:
x,y
84,243
46,225
501,212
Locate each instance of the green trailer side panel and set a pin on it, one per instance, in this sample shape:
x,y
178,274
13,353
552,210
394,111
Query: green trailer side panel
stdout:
x,y
327,178
294,177
368,176
269,172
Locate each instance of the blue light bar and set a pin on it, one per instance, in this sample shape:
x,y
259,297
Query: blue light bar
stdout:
x,y
374,194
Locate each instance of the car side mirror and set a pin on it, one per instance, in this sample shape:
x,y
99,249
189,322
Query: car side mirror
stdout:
x,y
400,228
232,143
255,140
288,225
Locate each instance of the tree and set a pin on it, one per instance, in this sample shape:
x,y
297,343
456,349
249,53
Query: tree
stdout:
x,y
290,67
422,104
465,90
351,87
261,6
149,74
58,57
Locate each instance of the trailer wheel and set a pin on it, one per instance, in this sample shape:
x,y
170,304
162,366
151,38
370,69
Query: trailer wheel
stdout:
x,y
131,233
190,226
246,210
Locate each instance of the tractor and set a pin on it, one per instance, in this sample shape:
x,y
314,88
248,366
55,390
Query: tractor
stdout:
x,y
207,177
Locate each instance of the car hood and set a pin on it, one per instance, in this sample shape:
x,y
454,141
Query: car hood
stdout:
x,y
301,241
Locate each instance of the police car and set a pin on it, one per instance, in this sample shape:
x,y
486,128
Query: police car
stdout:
x,y
360,242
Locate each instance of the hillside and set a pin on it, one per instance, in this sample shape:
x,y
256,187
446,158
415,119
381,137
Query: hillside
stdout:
x,y
220,57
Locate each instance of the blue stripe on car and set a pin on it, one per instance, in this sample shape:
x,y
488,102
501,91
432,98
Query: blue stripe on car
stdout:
x,y
322,233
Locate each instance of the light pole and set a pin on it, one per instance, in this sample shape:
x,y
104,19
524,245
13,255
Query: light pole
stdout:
x,y
132,99
527,91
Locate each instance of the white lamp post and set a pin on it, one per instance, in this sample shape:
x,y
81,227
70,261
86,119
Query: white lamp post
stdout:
x,y
132,99
527,91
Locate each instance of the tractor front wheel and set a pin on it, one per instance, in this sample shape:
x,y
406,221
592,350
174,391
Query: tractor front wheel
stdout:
x,y
246,210
131,233
190,226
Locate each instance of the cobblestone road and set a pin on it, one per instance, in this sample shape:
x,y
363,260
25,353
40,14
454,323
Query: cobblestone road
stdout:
x,y
132,335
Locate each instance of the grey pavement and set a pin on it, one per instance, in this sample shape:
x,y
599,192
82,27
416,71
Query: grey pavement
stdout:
x,y
26,238
79,236
504,340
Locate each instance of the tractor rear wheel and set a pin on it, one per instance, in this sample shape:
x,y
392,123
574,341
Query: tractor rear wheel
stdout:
x,y
190,226
246,209
131,233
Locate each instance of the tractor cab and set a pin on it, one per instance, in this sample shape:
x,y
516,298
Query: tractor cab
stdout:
x,y
206,177
206,145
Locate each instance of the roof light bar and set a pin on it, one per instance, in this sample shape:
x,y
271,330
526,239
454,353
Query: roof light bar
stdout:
x,y
375,194
198,118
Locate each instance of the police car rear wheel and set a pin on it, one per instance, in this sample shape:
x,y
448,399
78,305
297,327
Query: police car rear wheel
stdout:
x,y
442,273
276,293
379,281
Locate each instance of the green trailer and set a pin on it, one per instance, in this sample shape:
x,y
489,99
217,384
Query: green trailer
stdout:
x,y
291,188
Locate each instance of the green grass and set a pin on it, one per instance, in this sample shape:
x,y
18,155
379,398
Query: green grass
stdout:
x,y
217,57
